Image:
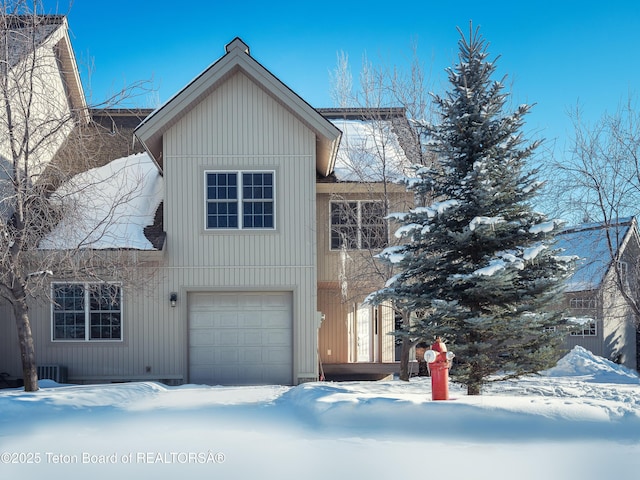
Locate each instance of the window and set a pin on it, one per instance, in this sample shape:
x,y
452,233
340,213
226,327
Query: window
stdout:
x,y
239,200
583,302
358,225
87,311
623,269
586,328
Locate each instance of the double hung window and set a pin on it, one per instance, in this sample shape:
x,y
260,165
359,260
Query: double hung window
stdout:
x,y
583,303
87,311
240,200
587,328
358,225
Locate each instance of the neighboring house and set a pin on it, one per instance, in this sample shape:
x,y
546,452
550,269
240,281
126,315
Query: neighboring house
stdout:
x,y
36,54
605,323
355,339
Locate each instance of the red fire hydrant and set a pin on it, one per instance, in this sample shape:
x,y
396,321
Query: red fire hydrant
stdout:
x,y
439,361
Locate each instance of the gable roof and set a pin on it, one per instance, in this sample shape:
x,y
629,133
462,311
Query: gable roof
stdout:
x,y
590,243
51,32
238,58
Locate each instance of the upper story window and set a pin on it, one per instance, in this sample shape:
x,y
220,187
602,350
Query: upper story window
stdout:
x,y
358,225
583,303
240,200
623,268
86,311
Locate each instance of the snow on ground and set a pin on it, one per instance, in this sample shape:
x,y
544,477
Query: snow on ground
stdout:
x,y
581,420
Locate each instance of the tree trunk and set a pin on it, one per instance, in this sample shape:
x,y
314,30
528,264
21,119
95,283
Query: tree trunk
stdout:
x,y
404,359
27,349
473,389
405,347
475,380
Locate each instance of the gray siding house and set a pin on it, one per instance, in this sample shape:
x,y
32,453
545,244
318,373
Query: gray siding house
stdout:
x,y
605,322
257,217
227,294
239,153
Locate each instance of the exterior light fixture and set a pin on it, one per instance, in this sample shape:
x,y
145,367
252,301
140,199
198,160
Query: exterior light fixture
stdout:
x,y
173,298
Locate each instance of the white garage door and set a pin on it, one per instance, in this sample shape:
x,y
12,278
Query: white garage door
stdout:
x,y
241,338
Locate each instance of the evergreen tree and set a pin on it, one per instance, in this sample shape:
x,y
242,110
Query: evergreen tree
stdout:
x,y
478,267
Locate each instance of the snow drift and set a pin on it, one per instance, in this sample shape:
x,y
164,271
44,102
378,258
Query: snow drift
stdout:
x,y
539,426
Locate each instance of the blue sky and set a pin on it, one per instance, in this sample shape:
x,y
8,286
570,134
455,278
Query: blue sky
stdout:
x,y
556,53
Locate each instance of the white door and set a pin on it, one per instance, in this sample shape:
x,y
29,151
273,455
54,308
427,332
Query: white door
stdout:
x,y
241,338
363,315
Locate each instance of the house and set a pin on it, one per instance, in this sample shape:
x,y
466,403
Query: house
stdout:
x,y
605,322
239,262
246,221
231,293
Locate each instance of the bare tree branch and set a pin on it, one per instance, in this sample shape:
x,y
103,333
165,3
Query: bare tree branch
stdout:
x,y
600,180
372,163
45,139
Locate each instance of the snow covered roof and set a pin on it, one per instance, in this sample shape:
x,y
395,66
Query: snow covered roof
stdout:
x,y
109,207
371,148
589,242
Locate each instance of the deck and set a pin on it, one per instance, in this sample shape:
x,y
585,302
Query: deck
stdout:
x,y
341,372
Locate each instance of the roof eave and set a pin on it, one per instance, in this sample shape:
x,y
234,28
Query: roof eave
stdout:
x,y
237,58
72,76
60,42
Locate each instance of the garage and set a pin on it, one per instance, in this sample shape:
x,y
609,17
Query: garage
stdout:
x,y
241,338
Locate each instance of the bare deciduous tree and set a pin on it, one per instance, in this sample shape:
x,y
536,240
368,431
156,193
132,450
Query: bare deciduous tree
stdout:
x,y
373,163
600,180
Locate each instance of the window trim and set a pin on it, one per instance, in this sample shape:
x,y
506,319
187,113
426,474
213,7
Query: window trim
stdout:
x,y
359,225
623,267
586,329
87,314
239,199
583,303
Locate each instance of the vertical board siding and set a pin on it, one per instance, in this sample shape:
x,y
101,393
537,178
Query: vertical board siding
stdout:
x,y
9,352
241,127
328,260
237,126
334,334
151,337
387,341
618,326
240,142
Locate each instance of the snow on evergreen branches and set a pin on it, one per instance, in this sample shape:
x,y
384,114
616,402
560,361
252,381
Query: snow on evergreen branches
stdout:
x,y
478,267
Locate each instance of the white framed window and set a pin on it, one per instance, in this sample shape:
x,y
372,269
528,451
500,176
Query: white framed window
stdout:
x,y
239,200
623,268
358,225
86,312
587,327
583,303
